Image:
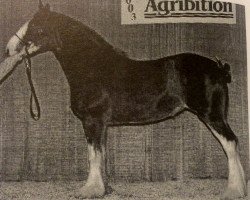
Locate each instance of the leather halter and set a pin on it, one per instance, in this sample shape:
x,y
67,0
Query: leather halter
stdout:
x,y
33,97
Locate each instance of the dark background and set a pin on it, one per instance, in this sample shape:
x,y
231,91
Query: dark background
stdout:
x,y
54,148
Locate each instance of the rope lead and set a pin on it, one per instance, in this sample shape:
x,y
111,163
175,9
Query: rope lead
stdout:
x,y
33,97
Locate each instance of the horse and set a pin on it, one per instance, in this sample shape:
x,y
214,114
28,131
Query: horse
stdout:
x,y
107,88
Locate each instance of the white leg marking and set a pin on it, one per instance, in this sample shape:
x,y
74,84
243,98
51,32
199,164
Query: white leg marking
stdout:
x,y
94,187
95,161
236,179
14,42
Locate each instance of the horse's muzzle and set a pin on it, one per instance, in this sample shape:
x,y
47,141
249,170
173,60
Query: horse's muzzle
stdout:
x,y
14,46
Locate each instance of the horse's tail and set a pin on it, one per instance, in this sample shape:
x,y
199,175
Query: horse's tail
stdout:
x,y
225,70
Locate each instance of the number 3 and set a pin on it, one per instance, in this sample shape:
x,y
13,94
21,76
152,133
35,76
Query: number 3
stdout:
x,y
133,16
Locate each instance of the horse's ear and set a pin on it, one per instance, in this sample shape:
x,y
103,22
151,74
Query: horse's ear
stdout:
x,y
47,7
41,5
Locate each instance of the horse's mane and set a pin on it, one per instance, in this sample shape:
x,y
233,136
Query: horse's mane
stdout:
x,y
86,32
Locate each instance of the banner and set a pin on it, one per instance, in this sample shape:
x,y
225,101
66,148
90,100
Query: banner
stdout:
x,y
180,11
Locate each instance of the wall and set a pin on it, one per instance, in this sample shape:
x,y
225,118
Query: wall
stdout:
x,y
55,147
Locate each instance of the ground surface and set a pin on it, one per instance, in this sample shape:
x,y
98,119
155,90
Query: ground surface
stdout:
x,y
174,190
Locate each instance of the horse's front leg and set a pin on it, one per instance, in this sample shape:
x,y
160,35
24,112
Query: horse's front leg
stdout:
x,y
95,130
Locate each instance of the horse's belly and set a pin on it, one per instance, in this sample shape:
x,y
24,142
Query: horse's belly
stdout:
x,y
146,110
152,92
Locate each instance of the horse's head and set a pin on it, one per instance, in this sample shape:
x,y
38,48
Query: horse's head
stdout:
x,y
41,33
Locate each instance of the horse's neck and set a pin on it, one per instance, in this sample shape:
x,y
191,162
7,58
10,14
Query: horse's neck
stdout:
x,y
78,38
78,64
83,52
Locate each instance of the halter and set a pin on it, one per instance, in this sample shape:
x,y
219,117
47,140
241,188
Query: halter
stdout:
x,y
33,96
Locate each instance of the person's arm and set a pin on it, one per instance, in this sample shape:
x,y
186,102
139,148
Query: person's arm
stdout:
x,y
11,62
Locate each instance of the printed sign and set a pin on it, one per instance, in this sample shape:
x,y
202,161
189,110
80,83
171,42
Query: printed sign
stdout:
x,y
177,11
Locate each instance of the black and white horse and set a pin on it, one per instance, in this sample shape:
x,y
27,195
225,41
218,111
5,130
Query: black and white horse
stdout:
x,y
109,89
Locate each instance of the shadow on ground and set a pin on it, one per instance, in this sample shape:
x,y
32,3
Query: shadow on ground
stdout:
x,y
174,190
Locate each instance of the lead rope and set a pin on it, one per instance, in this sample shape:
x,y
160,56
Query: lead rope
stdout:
x,y
33,97
36,116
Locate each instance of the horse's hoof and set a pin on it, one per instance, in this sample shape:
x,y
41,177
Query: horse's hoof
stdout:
x,y
232,194
90,192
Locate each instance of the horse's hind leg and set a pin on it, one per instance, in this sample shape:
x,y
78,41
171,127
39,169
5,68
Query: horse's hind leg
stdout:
x,y
236,179
215,118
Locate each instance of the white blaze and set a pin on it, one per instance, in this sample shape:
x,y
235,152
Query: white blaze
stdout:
x,y
14,42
